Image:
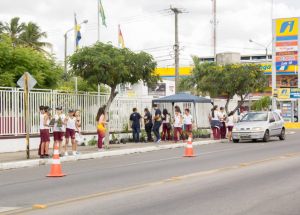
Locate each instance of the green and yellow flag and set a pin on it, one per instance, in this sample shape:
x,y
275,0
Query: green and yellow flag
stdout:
x,y
101,11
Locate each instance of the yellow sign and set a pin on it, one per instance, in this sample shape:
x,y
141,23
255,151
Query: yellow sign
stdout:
x,y
170,72
287,27
282,93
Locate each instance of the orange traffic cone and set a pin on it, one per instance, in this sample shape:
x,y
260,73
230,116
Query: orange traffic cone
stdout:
x,y
189,152
56,166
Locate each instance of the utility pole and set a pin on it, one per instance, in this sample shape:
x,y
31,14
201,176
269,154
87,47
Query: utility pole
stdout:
x,y
214,23
176,48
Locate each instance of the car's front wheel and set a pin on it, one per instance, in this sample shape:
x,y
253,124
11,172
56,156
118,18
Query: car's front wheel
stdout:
x,y
236,140
282,134
266,136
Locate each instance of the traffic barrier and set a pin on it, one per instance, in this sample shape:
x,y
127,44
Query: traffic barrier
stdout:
x,y
56,170
189,152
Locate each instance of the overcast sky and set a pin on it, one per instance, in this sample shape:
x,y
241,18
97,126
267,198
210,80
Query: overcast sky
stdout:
x,y
147,25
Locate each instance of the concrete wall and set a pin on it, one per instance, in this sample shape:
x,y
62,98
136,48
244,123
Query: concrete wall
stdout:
x,y
228,58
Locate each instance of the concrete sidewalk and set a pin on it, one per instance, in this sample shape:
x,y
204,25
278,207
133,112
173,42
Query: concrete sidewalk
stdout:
x,y
18,159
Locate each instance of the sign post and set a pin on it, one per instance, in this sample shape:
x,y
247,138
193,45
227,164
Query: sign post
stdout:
x,y
286,42
27,82
27,122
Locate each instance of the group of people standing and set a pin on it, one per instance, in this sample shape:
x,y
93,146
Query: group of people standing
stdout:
x,y
64,126
221,123
180,123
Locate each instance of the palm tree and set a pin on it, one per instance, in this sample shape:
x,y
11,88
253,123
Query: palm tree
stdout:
x,y
32,35
13,29
1,27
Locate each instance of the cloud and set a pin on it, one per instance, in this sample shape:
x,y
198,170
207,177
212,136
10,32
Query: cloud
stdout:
x,y
146,24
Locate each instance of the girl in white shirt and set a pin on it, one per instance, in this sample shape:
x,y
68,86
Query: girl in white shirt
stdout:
x,y
178,122
230,124
214,118
188,122
59,127
70,122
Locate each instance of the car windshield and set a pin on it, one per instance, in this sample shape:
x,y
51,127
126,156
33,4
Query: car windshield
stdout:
x,y
250,117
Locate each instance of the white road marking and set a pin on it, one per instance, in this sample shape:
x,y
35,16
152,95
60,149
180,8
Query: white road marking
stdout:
x,y
6,209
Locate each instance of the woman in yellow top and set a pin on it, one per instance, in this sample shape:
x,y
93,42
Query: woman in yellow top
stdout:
x,y
101,123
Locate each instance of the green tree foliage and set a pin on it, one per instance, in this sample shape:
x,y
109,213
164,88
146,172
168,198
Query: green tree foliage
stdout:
x,y
105,64
25,34
226,80
262,104
13,29
32,35
14,61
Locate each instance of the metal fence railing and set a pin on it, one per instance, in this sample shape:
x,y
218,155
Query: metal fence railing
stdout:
x,y
12,108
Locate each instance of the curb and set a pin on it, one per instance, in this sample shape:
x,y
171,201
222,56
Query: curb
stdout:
x,y
95,155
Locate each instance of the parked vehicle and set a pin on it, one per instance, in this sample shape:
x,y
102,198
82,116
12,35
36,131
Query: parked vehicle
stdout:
x,y
259,125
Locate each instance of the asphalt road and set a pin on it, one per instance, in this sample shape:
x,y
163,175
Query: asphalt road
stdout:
x,y
244,178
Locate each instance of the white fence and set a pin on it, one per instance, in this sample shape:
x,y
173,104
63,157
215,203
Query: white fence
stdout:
x,y
12,108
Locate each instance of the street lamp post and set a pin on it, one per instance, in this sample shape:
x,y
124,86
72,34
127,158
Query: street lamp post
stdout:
x,y
265,47
273,74
66,45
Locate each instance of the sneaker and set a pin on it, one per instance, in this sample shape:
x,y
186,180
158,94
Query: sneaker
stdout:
x,y
158,141
75,153
66,154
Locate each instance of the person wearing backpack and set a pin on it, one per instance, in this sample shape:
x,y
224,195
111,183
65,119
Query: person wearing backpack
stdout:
x,y
59,127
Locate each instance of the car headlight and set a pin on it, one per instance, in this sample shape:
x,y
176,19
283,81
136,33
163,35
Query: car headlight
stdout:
x,y
257,129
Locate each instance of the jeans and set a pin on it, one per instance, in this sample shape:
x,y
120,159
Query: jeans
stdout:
x,y
136,133
155,129
148,129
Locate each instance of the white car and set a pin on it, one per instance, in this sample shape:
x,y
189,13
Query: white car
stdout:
x,y
259,125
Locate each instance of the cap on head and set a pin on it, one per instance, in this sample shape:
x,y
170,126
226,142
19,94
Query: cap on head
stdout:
x,y
71,111
58,108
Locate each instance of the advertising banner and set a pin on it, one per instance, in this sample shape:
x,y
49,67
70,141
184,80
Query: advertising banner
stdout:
x,y
286,45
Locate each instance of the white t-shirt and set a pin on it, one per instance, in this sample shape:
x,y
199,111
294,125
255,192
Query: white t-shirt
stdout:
x,y
42,122
167,119
62,118
71,123
230,120
177,123
217,115
188,119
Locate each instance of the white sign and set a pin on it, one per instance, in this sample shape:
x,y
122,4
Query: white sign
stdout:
x,y
31,81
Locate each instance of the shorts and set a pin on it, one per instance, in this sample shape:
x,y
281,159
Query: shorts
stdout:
x,y
230,128
58,135
70,133
45,135
188,128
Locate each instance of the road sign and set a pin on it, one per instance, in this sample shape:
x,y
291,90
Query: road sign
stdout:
x,y
31,81
27,82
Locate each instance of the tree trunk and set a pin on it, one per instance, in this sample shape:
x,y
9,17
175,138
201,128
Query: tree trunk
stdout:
x,y
226,105
112,95
240,104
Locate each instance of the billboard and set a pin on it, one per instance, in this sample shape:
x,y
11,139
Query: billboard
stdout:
x,y
287,93
286,45
157,90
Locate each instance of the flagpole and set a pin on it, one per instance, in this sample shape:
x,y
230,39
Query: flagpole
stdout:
x,y
75,32
98,13
118,35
